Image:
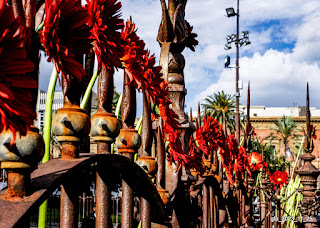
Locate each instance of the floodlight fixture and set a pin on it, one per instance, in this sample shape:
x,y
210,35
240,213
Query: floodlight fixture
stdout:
x,y
230,12
245,33
233,36
227,47
227,61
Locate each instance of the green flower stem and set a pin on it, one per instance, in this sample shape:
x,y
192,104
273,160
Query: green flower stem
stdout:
x,y
47,139
40,27
117,113
88,92
139,129
296,161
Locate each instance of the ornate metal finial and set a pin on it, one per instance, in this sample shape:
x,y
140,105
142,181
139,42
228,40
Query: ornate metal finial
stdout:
x,y
190,115
247,132
198,122
308,144
308,173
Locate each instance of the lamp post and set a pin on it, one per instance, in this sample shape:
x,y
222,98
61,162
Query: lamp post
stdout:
x,y
234,38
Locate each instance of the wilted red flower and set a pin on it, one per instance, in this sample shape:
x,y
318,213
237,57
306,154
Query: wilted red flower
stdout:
x,y
66,34
255,162
105,22
279,178
16,112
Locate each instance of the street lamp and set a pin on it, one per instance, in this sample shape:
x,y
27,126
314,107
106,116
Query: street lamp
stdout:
x,y
234,38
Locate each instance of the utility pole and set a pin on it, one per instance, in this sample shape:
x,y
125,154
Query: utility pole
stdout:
x,y
234,38
237,79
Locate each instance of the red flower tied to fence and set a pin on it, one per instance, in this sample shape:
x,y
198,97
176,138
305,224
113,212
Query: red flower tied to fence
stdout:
x,y
195,156
16,112
279,178
313,132
65,34
145,76
255,162
105,21
210,136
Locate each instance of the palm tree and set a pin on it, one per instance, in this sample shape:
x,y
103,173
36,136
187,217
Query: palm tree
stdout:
x,y
286,129
221,106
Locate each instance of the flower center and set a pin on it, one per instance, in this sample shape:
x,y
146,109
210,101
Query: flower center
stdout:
x,y
279,179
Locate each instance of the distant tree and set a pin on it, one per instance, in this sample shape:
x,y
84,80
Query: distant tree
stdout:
x,y
286,130
221,106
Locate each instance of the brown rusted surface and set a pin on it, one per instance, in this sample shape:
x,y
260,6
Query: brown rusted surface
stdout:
x,y
308,172
105,127
164,194
212,207
27,151
105,91
160,160
146,136
148,164
68,207
128,141
126,206
128,105
145,213
205,200
18,183
103,148
50,175
70,123
103,199
69,150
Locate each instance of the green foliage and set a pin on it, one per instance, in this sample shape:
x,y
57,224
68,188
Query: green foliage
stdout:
x,y
270,156
286,130
221,105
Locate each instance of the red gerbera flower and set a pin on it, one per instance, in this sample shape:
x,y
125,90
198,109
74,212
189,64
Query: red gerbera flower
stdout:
x,y
16,112
175,148
105,21
279,178
210,136
255,162
195,156
66,34
146,77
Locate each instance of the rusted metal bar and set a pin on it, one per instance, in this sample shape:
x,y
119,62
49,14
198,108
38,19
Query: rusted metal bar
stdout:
x,y
216,211
105,128
103,199
128,143
68,207
18,182
145,213
126,206
205,200
212,206
160,160
239,219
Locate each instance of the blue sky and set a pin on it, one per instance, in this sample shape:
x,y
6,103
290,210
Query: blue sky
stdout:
x,y
283,55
